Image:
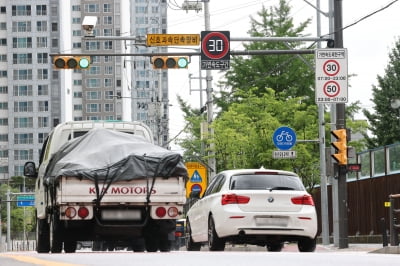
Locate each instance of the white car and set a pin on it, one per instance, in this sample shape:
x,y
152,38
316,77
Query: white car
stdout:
x,y
253,206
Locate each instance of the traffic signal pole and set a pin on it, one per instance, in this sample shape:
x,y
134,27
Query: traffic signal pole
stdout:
x,y
341,124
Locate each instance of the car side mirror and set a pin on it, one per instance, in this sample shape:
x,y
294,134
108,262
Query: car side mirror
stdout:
x,y
30,170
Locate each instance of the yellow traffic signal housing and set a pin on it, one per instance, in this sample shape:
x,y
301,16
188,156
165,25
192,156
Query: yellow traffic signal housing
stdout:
x,y
168,62
71,62
340,145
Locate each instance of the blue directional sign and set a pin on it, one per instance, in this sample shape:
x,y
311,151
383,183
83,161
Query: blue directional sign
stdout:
x,y
25,200
284,138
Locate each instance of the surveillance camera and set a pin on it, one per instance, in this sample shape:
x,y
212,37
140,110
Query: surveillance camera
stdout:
x,y
88,24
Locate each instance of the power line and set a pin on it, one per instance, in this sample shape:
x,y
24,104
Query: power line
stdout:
x,y
365,17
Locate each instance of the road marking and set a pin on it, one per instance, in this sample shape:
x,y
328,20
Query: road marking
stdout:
x,y
37,261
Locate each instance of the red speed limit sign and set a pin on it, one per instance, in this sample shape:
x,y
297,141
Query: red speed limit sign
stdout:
x,y
331,81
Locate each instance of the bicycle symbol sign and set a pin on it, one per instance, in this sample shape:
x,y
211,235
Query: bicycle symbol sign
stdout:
x,y
284,138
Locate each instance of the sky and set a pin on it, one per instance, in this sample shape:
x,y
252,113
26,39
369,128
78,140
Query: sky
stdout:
x,y
368,42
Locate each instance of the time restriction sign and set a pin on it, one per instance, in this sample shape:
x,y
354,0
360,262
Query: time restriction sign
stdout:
x,y
215,53
331,83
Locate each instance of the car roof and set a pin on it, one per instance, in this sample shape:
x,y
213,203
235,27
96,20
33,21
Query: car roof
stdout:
x,y
252,171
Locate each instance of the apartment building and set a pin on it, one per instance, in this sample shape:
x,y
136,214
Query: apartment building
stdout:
x,y
35,97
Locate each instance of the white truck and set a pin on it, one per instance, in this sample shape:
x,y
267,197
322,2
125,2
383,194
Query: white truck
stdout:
x,y
106,181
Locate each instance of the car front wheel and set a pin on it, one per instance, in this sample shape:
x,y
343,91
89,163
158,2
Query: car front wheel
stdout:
x,y
214,242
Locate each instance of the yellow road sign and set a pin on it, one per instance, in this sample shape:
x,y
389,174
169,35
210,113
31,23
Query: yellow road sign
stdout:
x,y
172,39
197,178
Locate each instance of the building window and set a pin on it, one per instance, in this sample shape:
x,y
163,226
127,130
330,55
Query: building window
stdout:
x,y
76,20
22,42
77,94
21,26
23,138
92,45
41,42
78,107
23,122
42,137
23,154
108,82
42,58
3,121
4,137
43,106
3,90
108,45
76,8
107,20
93,95
54,27
108,70
3,73
3,105
107,8
94,70
43,74
22,10
41,10
23,107
22,74
22,90
43,90
41,26
92,8
3,42
54,43
93,108
43,121
107,32
93,83
22,58
108,107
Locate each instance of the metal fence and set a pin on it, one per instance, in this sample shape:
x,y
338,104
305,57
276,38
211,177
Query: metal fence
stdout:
x,y
368,191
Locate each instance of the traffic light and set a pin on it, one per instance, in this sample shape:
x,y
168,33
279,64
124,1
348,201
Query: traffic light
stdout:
x,y
71,62
340,145
167,62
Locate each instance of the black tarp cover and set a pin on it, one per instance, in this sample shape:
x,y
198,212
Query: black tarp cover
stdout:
x,y
108,155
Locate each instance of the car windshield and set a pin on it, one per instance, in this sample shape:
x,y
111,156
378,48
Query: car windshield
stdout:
x,y
265,181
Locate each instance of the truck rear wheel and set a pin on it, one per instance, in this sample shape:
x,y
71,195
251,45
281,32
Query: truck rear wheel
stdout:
x,y
70,246
42,236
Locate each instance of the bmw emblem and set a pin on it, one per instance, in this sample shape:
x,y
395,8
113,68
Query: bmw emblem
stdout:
x,y
270,199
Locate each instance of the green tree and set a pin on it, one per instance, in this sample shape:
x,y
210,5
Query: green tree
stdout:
x,y
384,122
288,75
243,134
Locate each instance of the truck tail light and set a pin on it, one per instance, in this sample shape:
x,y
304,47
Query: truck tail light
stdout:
x,y
173,212
303,200
83,212
161,212
234,199
70,212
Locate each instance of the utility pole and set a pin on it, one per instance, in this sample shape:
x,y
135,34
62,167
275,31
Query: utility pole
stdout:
x,y
210,109
341,123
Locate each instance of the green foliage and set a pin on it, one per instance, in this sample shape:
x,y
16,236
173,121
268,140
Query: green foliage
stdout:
x,y
19,215
243,134
384,120
288,75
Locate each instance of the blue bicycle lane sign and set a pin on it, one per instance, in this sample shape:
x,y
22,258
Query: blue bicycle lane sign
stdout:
x,y
284,138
